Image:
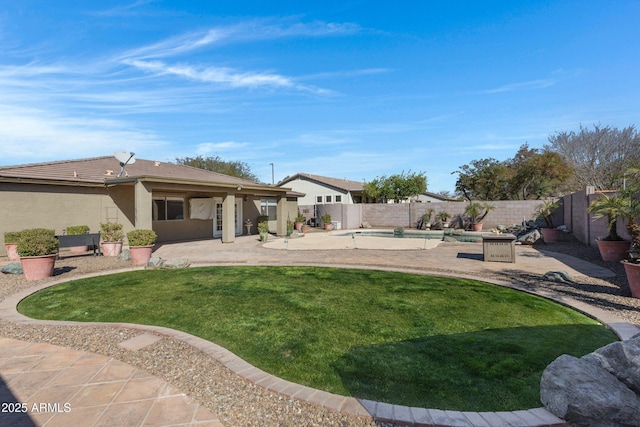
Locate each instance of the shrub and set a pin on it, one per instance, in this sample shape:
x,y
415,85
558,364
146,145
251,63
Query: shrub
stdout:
x,y
111,232
326,219
37,242
11,236
263,218
263,227
76,230
141,237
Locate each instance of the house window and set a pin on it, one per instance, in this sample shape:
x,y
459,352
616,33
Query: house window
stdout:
x,y
327,199
318,199
269,207
168,208
338,199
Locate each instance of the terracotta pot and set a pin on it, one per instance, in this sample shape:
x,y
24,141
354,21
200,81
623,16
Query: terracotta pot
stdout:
x,y
328,227
12,251
38,267
299,226
111,248
140,255
613,250
476,227
550,235
633,277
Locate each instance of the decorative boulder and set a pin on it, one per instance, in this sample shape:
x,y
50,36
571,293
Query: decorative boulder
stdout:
x,y
529,238
599,389
155,261
558,276
622,359
12,268
176,263
125,255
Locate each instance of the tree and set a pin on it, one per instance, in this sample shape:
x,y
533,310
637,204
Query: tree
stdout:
x,y
531,174
598,156
396,187
216,164
484,179
537,173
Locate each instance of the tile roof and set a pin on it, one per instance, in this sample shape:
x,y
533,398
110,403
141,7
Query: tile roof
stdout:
x,y
99,170
342,184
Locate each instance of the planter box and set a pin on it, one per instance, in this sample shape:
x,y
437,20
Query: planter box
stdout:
x,y
111,248
140,255
499,248
12,251
550,235
633,277
38,267
613,250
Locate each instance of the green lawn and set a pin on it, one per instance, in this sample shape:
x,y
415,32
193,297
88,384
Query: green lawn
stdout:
x,y
400,338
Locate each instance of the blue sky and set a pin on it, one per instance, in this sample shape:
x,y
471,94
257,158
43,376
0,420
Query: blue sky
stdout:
x,y
348,89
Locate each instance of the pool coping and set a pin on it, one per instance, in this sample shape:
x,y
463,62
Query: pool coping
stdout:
x,y
362,408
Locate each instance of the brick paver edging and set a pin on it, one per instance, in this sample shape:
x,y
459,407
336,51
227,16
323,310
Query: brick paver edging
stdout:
x,y
378,411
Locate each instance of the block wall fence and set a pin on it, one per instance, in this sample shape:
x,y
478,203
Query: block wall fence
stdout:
x,y
572,213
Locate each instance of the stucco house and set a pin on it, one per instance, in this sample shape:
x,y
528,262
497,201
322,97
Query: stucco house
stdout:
x,y
178,202
427,197
321,190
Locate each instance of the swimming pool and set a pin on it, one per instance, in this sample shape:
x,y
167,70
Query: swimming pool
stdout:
x,y
448,234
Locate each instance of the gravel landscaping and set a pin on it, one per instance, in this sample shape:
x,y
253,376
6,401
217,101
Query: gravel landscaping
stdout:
x,y
238,402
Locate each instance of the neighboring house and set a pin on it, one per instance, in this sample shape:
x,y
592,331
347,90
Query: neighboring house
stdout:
x,y
433,197
321,190
178,202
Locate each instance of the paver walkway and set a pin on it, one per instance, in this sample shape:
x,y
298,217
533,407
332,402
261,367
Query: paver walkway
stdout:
x,y
47,385
70,387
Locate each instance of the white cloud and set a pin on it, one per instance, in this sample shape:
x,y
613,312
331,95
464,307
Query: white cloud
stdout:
x,y
224,76
213,147
35,134
533,84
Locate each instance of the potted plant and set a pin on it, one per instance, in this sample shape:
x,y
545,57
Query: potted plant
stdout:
x,y
38,248
111,235
11,244
612,247
426,219
443,217
299,221
141,245
545,213
477,211
326,220
632,265
289,227
77,230
263,229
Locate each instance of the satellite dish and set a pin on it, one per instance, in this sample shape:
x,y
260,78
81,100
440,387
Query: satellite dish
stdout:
x,y
124,159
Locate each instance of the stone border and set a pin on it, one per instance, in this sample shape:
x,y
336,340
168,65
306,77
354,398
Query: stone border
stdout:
x,y
367,409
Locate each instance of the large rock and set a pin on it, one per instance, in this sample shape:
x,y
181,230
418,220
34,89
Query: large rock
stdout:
x,y
621,359
581,391
529,238
12,268
176,263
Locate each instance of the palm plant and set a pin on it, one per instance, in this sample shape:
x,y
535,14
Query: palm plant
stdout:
x,y
612,208
477,211
545,212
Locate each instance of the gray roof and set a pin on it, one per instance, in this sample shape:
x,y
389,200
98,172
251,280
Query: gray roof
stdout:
x,y
101,170
342,184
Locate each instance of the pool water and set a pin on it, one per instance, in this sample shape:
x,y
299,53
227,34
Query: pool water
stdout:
x,y
450,234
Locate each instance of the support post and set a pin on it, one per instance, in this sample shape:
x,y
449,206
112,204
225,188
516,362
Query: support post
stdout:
x,y
143,206
229,218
